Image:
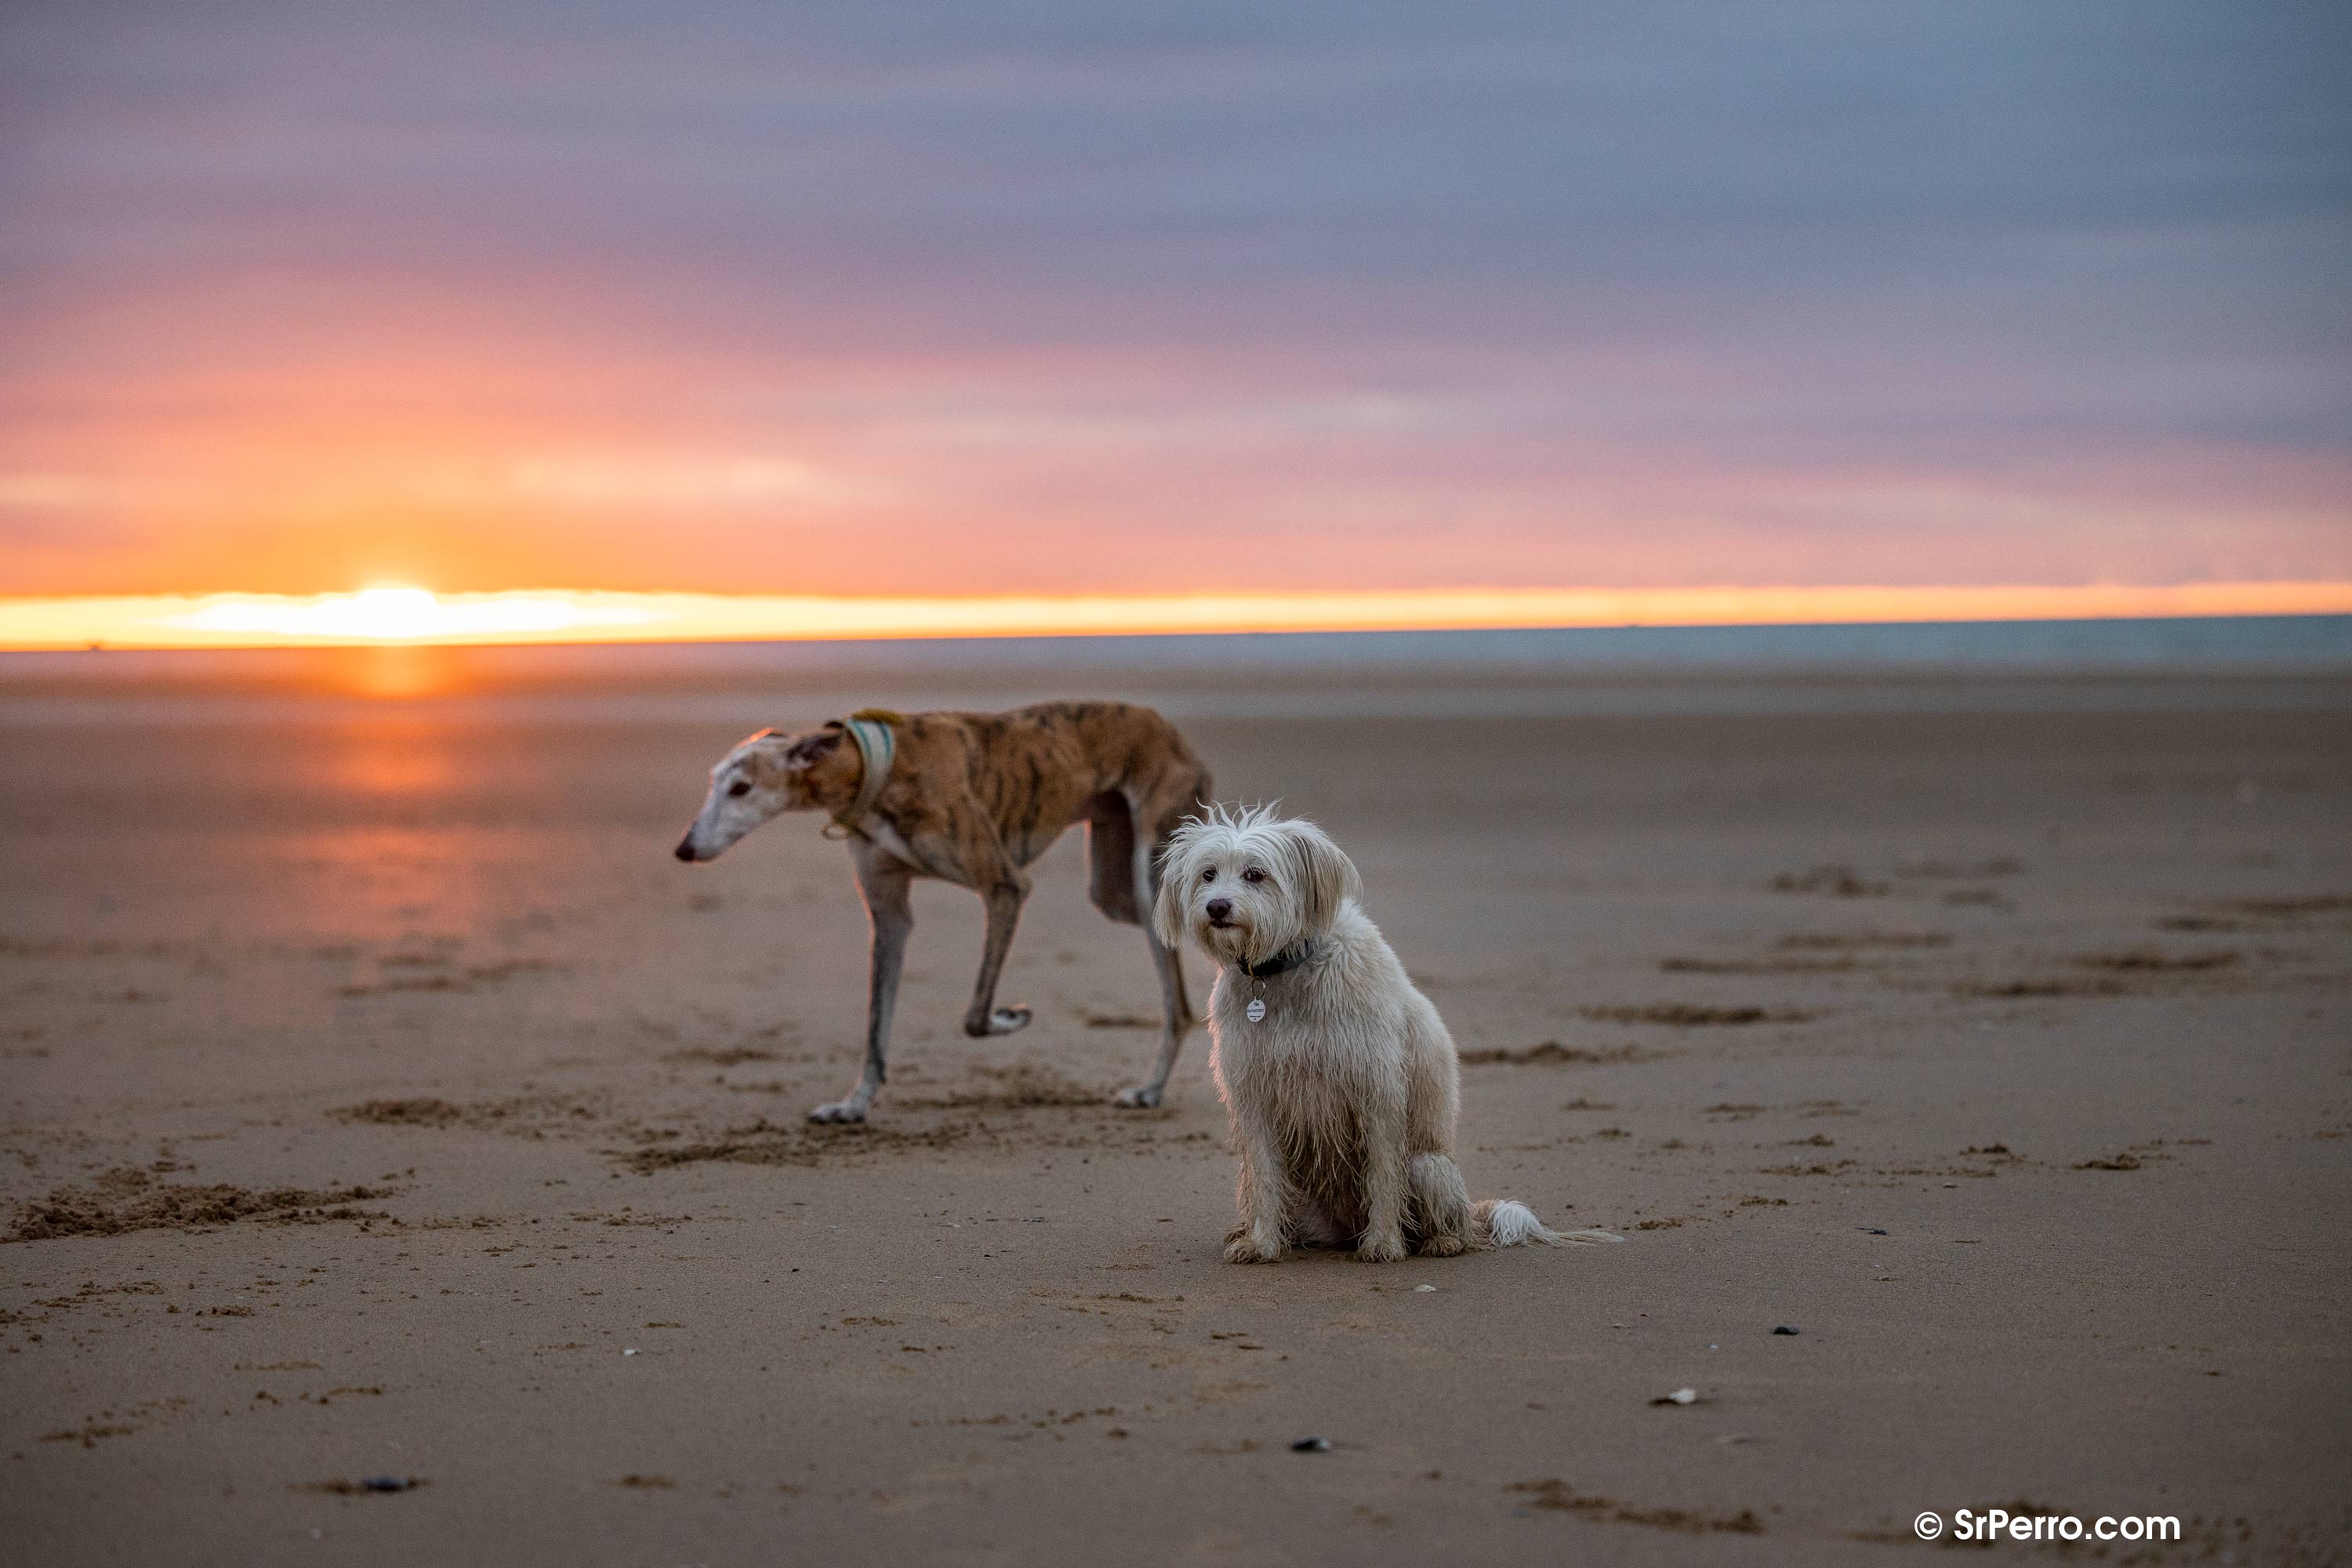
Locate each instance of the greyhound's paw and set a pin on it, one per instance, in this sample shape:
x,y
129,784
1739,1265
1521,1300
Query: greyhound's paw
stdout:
x,y
1387,1248
1003,1021
839,1110
1442,1246
1251,1249
1142,1097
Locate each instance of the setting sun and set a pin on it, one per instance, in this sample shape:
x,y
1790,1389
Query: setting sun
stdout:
x,y
377,613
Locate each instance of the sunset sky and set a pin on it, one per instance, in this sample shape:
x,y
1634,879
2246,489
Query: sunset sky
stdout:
x,y
918,302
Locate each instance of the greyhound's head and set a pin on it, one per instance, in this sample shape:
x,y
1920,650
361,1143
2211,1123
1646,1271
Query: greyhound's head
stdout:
x,y
767,775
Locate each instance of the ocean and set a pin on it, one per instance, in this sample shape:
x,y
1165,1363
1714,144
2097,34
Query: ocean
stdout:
x,y
2218,663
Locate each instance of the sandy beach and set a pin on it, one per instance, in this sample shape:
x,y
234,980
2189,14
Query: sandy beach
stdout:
x,y
380,1099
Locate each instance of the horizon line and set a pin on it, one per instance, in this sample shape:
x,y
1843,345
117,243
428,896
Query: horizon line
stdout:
x,y
405,616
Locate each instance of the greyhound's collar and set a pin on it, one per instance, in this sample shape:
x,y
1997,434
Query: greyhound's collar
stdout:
x,y
877,745
1289,958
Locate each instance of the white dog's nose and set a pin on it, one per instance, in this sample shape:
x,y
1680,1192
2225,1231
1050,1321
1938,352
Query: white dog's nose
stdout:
x,y
685,847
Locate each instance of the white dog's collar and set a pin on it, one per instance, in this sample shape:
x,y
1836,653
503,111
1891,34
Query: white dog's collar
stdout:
x,y
879,746
1282,963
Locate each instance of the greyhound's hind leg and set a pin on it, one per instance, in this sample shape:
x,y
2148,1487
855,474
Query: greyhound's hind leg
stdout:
x,y
1110,858
1003,894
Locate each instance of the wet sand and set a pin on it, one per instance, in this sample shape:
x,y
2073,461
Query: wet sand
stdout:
x,y
382,1100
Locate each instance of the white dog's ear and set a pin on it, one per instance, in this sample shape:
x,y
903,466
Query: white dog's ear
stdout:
x,y
1175,876
1326,878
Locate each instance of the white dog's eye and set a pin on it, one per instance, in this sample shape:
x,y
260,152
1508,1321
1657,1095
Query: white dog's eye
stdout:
x,y
740,786
1253,875
1208,873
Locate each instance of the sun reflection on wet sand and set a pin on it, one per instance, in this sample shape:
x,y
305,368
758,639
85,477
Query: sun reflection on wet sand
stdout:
x,y
387,757
396,670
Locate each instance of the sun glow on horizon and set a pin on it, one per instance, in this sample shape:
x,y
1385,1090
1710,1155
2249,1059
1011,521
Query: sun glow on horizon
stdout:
x,y
400,614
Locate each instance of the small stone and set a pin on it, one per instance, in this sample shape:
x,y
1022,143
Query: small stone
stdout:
x,y
1784,1329
1312,1446
1422,1289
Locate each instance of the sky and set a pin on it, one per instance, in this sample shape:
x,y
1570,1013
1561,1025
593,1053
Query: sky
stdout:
x,y
916,300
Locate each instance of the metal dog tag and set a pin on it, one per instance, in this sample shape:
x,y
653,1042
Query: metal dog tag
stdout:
x,y
1256,1010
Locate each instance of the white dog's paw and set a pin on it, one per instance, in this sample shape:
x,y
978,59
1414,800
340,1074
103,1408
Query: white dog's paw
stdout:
x,y
1003,1021
840,1111
1442,1246
1142,1097
1252,1249
1389,1249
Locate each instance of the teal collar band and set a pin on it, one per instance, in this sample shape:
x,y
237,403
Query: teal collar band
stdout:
x,y
879,747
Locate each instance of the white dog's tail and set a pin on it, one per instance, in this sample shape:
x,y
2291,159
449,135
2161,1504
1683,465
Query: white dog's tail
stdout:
x,y
1507,1222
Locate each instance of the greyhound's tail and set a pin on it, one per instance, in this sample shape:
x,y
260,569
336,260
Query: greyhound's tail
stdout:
x,y
1507,1222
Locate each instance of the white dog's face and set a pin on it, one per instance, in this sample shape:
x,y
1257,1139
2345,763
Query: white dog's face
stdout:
x,y
767,775
1246,885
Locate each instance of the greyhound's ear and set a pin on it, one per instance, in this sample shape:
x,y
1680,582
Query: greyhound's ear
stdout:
x,y
1175,869
808,748
1326,878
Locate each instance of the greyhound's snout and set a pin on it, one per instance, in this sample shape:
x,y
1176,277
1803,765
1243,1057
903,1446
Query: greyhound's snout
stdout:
x,y
1220,908
685,847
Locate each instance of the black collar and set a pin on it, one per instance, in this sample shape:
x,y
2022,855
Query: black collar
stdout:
x,y
1287,959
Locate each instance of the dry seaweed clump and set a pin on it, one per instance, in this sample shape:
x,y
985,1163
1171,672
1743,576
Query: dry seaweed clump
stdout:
x,y
2153,961
763,1143
1558,1495
422,1111
1548,1051
1022,1086
1686,1016
525,1116
1836,881
126,1199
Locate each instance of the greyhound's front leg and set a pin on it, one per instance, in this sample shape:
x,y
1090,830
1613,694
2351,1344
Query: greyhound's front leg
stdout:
x,y
1005,901
885,885
1175,1007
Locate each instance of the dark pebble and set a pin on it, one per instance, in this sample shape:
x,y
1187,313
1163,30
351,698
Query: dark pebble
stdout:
x,y
1784,1329
1312,1446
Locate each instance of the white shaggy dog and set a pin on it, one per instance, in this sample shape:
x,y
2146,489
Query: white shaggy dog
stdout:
x,y
1339,1074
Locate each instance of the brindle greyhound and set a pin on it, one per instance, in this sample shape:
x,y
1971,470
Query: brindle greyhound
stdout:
x,y
973,798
